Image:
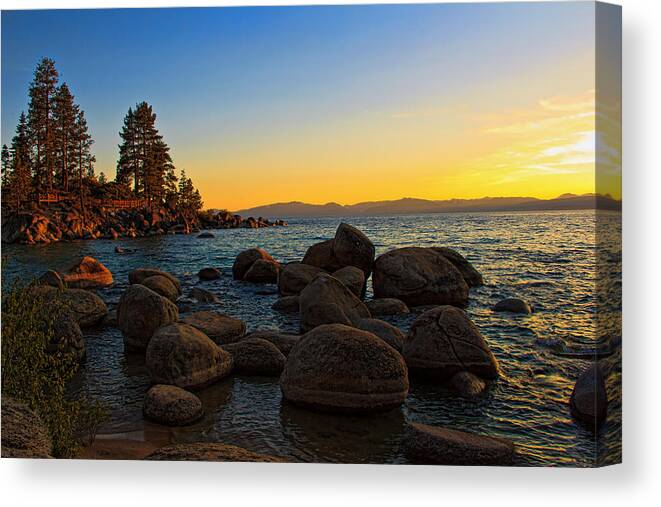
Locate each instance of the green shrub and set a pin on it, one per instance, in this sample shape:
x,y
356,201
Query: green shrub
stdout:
x,y
39,378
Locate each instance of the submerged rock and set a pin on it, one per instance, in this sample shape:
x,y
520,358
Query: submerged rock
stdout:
x,y
338,368
386,306
222,329
208,451
140,312
514,305
589,402
24,435
256,356
87,273
444,446
390,334
327,301
206,235
172,406
203,295
183,356
443,341
208,274
419,276
467,385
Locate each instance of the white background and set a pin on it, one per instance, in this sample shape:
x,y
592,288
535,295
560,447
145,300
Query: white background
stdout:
x,y
636,482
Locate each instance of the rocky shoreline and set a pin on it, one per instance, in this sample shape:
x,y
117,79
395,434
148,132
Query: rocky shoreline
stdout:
x,y
344,360
65,222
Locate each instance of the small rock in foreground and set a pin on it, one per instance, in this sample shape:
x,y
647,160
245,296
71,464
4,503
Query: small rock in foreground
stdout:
x,y
513,305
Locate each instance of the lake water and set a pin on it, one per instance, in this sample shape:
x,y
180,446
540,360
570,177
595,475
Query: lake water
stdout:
x,y
547,258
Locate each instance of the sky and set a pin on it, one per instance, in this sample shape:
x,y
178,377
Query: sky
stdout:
x,y
338,103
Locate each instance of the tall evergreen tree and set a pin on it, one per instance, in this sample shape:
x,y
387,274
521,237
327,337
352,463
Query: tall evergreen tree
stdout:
x,y
84,158
17,180
42,91
6,167
65,116
189,201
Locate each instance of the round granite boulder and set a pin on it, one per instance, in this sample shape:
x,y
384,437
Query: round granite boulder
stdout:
x,y
283,341
140,312
589,401
295,276
352,278
352,248
338,368
246,259
386,306
208,274
163,286
263,271
222,329
86,307
327,301
140,274
256,356
471,275
321,255
172,406
203,295
443,341
418,276
287,304
182,356
390,334
87,273
513,305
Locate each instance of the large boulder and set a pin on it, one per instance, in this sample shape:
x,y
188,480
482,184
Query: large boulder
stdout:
x,y
327,301
589,402
86,307
256,356
139,275
222,329
246,259
321,255
52,278
162,286
183,356
418,276
390,334
23,433
352,248
295,276
386,306
513,305
471,275
352,278
87,273
443,341
263,271
283,341
444,446
210,451
338,368
171,405
287,304
140,312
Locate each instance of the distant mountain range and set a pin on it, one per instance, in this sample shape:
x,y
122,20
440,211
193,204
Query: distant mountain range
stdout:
x,y
408,206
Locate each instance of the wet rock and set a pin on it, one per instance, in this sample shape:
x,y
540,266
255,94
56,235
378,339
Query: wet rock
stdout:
x,y
203,296
352,278
208,274
139,275
283,341
443,341
24,435
321,256
86,307
444,446
53,279
180,355
352,248
471,275
163,286
206,235
467,385
386,306
256,356
418,276
390,334
207,451
222,329
263,271
342,369
327,301
514,305
122,250
287,304
140,312
87,273
589,402
171,406
295,276
245,260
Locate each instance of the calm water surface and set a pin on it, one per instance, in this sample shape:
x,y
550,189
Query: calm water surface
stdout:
x,y
547,258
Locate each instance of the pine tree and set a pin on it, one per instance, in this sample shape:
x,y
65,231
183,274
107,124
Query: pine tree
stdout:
x,y
84,159
6,167
189,201
102,178
42,91
17,180
65,114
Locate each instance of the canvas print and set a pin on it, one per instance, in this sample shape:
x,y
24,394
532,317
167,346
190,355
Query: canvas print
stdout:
x,y
385,234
